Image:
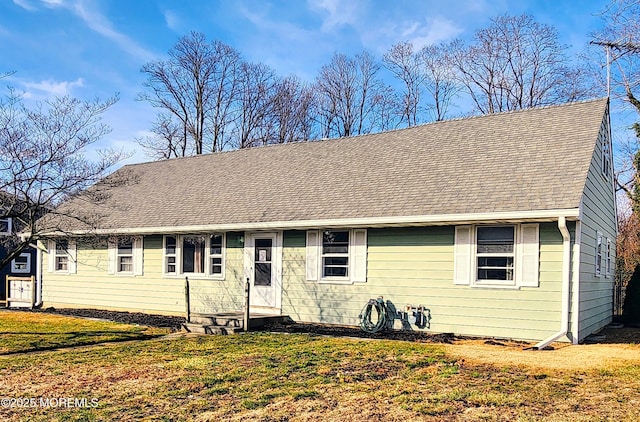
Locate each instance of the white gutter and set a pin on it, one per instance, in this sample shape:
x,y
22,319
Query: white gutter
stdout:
x,y
390,221
38,276
566,283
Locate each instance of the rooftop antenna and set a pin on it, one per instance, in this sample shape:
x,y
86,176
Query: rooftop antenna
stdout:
x,y
607,47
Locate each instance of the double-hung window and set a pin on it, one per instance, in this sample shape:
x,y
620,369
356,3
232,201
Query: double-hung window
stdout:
x,y
335,254
338,256
61,254
194,254
491,256
126,255
495,253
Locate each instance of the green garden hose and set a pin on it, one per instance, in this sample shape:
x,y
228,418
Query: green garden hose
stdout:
x,y
366,323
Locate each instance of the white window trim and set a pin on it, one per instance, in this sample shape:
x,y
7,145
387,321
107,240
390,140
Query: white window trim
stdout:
x,y
9,221
137,255
357,257
526,253
72,253
598,254
18,270
606,158
207,258
608,260
494,283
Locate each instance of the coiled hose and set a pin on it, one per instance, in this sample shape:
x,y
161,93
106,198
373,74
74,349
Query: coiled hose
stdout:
x,y
366,323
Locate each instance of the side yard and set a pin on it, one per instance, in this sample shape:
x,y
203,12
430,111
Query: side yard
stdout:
x,y
298,377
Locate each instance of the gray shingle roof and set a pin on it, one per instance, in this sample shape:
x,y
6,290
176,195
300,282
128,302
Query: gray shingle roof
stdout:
x,y
534,159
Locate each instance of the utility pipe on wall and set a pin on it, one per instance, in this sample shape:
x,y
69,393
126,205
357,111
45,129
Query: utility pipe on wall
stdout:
x,y
566,285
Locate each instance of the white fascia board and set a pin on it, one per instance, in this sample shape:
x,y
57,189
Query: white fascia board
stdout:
x,y
366,222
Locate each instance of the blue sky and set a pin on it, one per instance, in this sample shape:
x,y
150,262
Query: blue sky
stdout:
x,y
95,48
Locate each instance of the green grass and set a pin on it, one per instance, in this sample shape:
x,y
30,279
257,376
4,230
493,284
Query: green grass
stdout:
x,y
273,377
26,332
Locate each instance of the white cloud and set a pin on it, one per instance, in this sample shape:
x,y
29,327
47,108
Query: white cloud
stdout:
x,y
100,24
173,21
25,4
337,12
432,31
97,22
50,87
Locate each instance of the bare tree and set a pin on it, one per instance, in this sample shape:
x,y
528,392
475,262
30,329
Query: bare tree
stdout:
x,y
291,108
516,63
257,89
620,36
407,66
346,95
43,161
440,79
167,140
197,86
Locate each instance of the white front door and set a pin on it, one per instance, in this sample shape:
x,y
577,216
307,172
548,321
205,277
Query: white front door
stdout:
x,y
263,265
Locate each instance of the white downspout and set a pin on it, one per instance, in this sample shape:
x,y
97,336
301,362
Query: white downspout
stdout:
x,y
566,283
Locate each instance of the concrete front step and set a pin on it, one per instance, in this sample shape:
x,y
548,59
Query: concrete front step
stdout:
x,y
227,322
210,329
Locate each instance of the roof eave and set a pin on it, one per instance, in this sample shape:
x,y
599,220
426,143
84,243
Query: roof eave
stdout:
x,y
571,214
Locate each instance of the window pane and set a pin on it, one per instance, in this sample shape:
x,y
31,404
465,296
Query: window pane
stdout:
x,y
62,246
335,242
61,263
216,244
496,240
171,264
125,264
262,274
4,225
21,263
263,250
193,254
216,265
125,247
334,271
170,245
495,268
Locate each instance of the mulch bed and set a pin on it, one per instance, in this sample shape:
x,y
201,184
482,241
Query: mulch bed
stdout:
x,y
133,318
629,335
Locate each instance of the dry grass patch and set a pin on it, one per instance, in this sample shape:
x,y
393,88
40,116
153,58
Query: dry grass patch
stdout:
x,y
297,377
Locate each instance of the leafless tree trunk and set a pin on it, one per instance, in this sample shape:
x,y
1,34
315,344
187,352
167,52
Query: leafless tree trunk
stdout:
x,y
440,79
291,108
257,91
407,66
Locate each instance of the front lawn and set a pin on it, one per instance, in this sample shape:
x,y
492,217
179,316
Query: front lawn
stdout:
x,y
26,332
300,377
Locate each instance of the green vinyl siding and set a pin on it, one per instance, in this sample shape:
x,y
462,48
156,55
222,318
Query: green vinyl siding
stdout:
x,y
414,266
92,286
595,296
